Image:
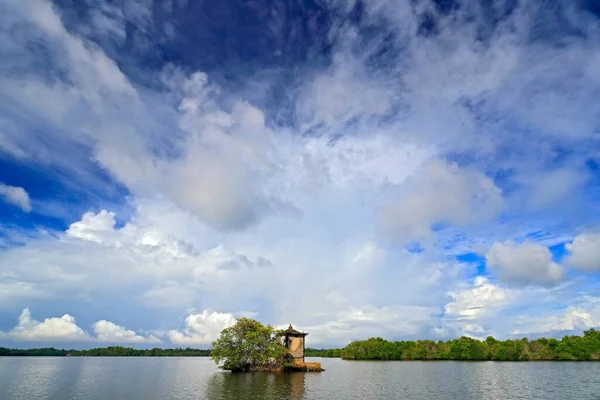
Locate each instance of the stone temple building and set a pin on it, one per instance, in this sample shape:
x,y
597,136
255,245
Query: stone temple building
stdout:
x,y
294,341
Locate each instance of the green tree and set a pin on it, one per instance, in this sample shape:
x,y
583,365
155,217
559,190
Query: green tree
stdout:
x,y
466,348
249,346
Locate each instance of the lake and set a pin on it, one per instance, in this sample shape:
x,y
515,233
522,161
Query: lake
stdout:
x,y
101,378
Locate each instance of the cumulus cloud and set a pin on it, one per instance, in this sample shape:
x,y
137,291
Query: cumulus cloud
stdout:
x,y
573,319
166,270
524,263
61,329
93,227
482,298
107,331
440,192
223,165
364,322
487,308
201,328
585,252
16,196
51,329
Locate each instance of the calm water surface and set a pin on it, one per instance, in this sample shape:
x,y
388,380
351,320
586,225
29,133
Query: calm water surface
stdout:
x,y
197,378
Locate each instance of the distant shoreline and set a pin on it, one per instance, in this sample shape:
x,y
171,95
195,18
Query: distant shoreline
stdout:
x,y
569,348
120,351
111,351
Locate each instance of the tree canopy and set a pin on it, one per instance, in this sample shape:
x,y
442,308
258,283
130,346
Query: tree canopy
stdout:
x,y
325,353
249,346
570,348
111,351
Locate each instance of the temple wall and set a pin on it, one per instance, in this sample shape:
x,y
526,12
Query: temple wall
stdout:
x,y
296,347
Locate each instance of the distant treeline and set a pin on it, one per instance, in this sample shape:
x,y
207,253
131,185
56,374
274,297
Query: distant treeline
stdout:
x,y
570,348
112,351
130,352
330,353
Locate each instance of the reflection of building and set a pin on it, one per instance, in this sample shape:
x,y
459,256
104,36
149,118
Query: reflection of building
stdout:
x,y
294,341
296,386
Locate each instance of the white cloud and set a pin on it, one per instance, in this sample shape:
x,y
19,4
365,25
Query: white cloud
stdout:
x,y
440,192
15,195
367,161
171,294
93,227
585,252
86,65
369,321
482,298
330,98
107,331
227,198
201,328
146,260
369,256
65,329
13,290
552,187
485,308
107,22
51,329
573,319
524,263
223,165
93,257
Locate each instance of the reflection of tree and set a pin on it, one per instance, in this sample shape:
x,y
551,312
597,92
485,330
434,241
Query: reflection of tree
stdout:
x,y
257,385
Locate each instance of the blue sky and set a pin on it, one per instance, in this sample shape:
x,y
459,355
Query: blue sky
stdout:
x,y
404,169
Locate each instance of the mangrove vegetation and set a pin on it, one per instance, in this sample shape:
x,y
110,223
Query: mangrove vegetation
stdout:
x,y
325,353
112,351
569,348
249,345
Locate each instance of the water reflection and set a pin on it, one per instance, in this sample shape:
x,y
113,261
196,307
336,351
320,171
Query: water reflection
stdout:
x,y
34,380
101,378
225,385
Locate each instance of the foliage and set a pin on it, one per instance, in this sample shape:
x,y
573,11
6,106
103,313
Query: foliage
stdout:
x,y
49,351
250,346
576,348
112,351
118,351
329,353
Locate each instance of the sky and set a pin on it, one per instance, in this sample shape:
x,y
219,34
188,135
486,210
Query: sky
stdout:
x,y
408,169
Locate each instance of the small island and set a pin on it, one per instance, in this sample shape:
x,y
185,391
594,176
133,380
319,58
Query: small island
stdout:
x,y
249,346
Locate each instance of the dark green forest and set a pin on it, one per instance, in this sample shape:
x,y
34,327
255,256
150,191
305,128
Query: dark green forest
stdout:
x,y
569,348
128,351
328,353
112,351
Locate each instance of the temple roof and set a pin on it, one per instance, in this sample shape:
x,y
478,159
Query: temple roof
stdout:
x,y
291,331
